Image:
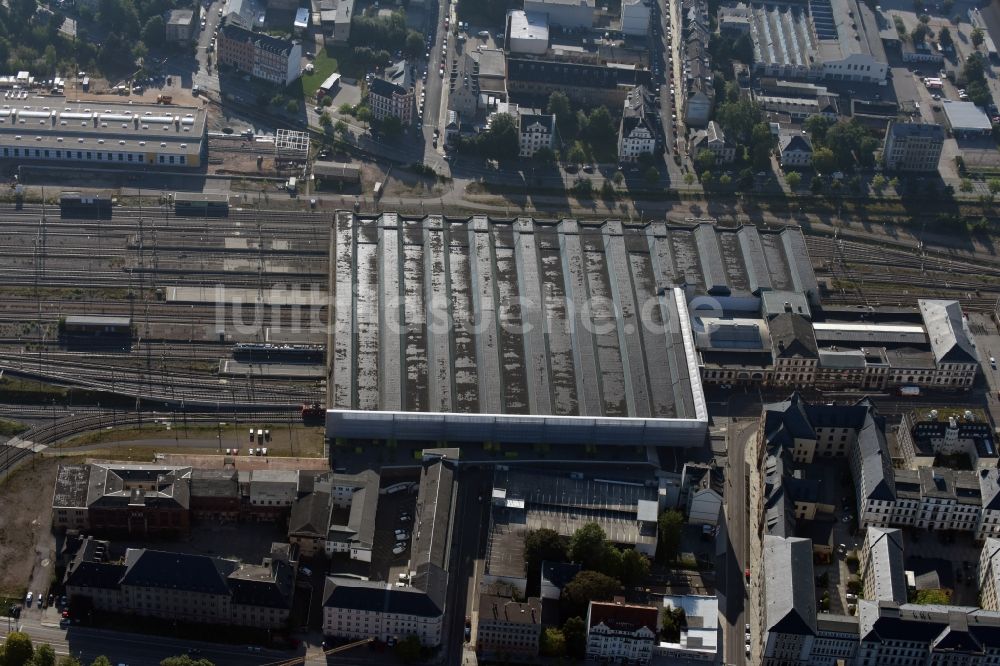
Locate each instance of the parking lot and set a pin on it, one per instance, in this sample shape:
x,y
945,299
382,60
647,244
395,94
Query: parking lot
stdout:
x,y
395,512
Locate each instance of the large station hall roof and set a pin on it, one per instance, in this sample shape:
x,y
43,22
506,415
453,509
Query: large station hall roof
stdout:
x,y
524,319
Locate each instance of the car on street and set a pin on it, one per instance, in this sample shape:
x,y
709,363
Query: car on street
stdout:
x,y
993,362
27,599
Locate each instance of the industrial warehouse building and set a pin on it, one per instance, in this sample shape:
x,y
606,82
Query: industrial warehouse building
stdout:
x,y
103,133
476,329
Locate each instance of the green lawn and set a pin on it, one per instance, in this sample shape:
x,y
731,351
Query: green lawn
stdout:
x,y
323,66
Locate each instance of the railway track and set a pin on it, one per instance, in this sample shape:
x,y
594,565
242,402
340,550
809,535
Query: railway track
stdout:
x,y
49,434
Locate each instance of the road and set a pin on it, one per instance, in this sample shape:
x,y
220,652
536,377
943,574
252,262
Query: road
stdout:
x,y
732,583
468,546
139,649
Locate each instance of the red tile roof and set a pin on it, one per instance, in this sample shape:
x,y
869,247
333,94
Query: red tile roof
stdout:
x,y
622,617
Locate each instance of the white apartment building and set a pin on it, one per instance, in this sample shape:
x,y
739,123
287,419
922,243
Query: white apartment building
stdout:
x,y
638,131
618,632
390,100
356,609
535,132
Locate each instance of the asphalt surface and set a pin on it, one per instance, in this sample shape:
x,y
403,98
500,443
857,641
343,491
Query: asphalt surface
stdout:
x,y
732,582
468,545
139,649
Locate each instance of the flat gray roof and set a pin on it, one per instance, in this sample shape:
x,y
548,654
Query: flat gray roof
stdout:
x,y
101,125
97,320
965,116
508,319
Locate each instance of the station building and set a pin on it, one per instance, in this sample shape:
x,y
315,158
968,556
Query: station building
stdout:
x,y
103,133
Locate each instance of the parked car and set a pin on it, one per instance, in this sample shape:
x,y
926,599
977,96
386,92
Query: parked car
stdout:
x,y
398,549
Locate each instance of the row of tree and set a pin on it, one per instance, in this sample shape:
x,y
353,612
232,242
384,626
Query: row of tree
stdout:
x,y
974,75
591,136
385,33
840,146
18,650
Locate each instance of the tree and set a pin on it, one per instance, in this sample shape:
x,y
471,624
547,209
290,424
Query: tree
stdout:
x,y
919,34
566,119
588,546
185,660
704,160
577,154
326,121
794,179
619,178
500,141
706,177
345,109
154,32
607,189
824,161
738,119
552,643
993,185
689,178
651,176
602,134
965,185
761,144
408,649
674,621
363,113
878,183
585,587
18,650
340,128
542,545
292,106
44,656
944,37
414,44
671,522
635,567
817,126
575,632
725,179
101,661
70,661
977,37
